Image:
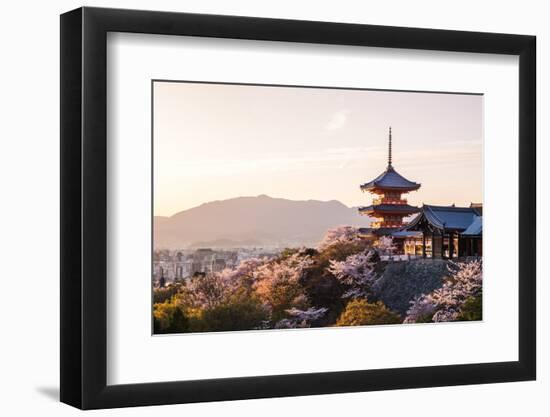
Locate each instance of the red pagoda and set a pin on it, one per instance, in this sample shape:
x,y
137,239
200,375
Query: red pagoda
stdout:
x,y
388,207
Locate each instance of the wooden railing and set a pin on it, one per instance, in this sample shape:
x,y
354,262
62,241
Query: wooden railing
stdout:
x,y
385,200
386,224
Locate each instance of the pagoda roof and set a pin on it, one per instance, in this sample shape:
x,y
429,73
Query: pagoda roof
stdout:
x,y
390,231
446,217
390,179
377,231
389,208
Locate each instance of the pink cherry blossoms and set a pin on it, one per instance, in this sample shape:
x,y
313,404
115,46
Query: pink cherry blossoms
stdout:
x,y
301,318
445,303
385,245
340,234
356,272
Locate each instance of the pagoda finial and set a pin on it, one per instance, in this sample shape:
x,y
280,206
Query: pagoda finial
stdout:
x,y
389,150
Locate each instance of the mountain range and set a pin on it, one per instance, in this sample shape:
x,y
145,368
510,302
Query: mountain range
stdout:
x,y
253,221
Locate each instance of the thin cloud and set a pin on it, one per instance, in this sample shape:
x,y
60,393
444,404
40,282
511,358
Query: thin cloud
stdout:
x,y
338,120
332,157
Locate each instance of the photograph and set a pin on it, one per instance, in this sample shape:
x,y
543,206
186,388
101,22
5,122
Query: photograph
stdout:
x,y
291,207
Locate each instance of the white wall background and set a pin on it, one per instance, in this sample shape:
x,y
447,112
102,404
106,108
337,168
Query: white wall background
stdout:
x,y
29,175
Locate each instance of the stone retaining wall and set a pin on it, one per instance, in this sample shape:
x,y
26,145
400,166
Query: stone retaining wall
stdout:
x,y
401,282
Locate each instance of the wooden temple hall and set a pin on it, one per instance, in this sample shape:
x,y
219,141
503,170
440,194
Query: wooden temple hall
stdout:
x,y
432,231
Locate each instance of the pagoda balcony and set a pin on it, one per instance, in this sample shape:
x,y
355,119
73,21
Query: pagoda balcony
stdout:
x,y
388,200
386,224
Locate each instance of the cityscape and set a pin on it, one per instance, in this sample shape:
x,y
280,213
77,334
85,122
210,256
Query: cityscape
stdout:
x,y
172,265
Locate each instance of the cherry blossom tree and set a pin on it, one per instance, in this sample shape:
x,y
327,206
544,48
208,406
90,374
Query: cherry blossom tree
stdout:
x,y
277,283
356,272
301,318
206,291
385,245
421,310
243,275
445,303
340,234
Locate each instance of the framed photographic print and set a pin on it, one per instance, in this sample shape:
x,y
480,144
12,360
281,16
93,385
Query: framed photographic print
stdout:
x,y
257,207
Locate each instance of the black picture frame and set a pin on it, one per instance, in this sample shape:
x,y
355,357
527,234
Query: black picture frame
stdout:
x,y
84,207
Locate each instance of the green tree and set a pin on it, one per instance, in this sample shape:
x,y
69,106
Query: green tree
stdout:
x,y
323,290
169,318
471,310
160,295
239,312
362,313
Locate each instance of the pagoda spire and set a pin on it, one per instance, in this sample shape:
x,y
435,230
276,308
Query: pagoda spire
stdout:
x,y
388,206
389,150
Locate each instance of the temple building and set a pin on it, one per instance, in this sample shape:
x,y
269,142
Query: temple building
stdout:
x,y
388,206
445,232
434,231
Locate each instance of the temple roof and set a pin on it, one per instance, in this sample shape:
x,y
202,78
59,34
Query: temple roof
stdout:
x,y
474,229
390,179
377,231
477,207
446,217
406,233
390,208
389,231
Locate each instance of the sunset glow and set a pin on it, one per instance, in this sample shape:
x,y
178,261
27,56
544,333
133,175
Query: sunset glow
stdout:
x,y
217,141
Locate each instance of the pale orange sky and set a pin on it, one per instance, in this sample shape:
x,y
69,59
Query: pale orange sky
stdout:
x,y
218,141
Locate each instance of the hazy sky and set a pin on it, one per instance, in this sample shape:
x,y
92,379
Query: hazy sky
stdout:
x,y
215,141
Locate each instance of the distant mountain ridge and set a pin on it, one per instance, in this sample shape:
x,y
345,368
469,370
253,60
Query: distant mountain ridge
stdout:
x,y
253,221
